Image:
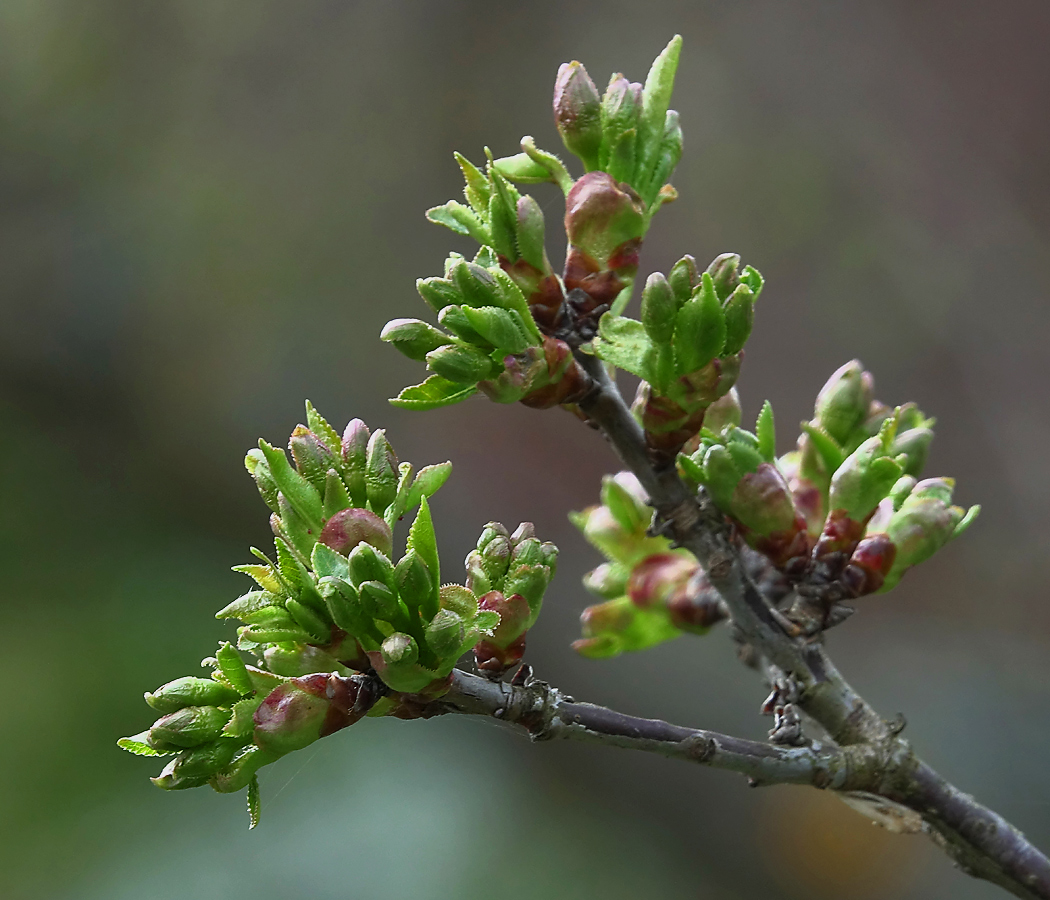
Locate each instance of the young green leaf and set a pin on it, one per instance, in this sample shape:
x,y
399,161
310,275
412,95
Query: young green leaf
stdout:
x,y
624,343
433,393
766,432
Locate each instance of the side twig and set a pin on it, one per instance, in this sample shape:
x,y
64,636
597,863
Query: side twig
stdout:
x,y
980,841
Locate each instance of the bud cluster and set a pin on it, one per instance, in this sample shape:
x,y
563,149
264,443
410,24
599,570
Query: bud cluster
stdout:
x,y
508,573
336,624
651,592
491,342
687,347
843,515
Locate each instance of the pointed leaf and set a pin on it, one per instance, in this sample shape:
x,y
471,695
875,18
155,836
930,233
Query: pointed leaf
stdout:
x,y
427,482
765,431
254,802
139,745
700,329
460,219
422,539
328,435
624,343
433,393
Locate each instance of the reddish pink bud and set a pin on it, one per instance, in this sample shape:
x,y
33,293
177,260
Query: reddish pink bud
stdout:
x,y
658,577
350,527
513,616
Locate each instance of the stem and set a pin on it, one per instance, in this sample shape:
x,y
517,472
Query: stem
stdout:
x,y
980,841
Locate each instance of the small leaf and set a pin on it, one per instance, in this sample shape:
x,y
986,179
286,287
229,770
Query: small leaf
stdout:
x,y
300,493
522,168
397,509
656,97
327,434
740,316
826,446
263,576
422,539
766,432
460,219
624,343
700,329
233,668
486,621
242,722
247,604
477,189
427,482
254,802
433,393
327,563
138,744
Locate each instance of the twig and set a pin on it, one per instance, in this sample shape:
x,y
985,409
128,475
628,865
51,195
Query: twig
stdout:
x,y
980,841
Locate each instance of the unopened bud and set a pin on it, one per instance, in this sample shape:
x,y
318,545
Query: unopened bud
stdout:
x,y
355,455
461,364
608,580
350,527
600,217
659,308
684,279
191,691
412,337
577,113
656,578
725,274
445,634
843,402
189,727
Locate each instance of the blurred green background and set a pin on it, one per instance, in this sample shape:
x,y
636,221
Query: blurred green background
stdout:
x,y
208,210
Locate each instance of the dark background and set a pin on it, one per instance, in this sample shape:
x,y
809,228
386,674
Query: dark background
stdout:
x,y
207,212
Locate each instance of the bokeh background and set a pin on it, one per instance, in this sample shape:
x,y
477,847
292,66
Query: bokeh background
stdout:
x,y
207,212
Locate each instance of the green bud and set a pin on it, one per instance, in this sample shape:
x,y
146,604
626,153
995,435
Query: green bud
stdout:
x,y
369,564
503,205
312,458
170,780
233,668
531,583
621,106
381,474
740,316
577,113
239,774
476,284
191,691
864,478
844,400
609,580
438,292
461,364
200,763
413,338
400,650
445,634
190,726
530,233
259,469
629,512
379,602
455,320
658,308
684,279
915,444
355,455
413,579
336,497
725,274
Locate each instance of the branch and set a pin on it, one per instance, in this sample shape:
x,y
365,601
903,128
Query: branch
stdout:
x,y
980,841
545,713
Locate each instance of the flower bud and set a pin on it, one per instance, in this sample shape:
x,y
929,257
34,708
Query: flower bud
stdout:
x,y
297,713
400,650
700,329
915,444
438,292
684,279
312,458
740,316
413,579
514,615
189,727
445,634
191,691
355,455
350,527
659,308
924,523
530,232
412,337
725,274
577,113
600,217
193,767
866,476
381,472
609,580
697,606
531,583
379,602
656,578
844,400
